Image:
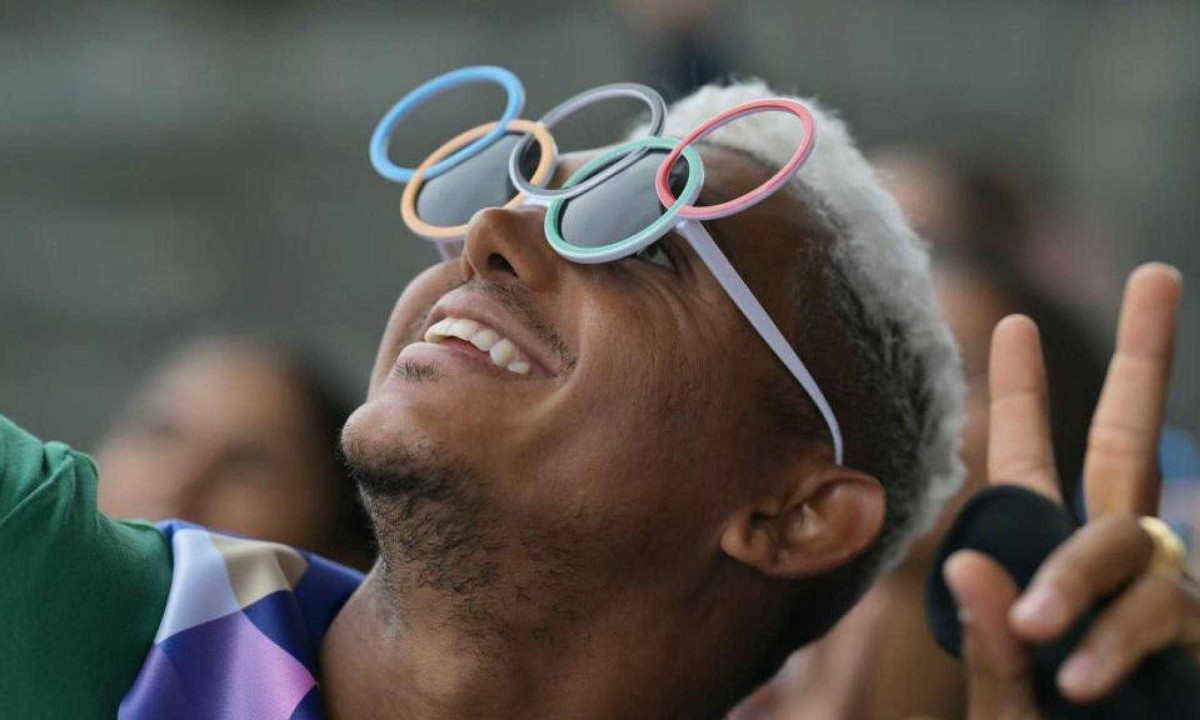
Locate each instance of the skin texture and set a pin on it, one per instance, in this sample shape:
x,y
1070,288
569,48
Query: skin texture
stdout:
x,y
561,547
221,436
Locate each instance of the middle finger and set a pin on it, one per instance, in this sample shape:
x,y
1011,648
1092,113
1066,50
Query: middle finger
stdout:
x,y
1120,468
1145,619
1101,557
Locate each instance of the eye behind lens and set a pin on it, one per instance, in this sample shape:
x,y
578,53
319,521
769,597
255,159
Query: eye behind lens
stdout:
x,y
481,182
618,208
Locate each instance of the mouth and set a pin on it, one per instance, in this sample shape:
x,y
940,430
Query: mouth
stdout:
x,y
466,334
496,336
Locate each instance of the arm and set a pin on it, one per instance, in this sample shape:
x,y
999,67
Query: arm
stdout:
x,y
80,595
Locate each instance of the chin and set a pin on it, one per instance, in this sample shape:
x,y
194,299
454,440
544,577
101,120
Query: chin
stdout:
x,y
373,433
395,430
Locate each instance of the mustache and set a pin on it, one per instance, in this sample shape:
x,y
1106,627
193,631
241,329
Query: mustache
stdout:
x,y
517,301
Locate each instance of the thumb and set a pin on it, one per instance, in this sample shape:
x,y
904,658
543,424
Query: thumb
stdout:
x,y
999,684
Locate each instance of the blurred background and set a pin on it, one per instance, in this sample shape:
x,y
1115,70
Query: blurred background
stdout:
x,y
170,168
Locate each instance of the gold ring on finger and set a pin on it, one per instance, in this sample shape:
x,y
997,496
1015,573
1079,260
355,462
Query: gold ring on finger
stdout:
x,y
1170,554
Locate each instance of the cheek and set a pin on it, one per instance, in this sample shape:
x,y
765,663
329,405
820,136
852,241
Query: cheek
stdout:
x,y
653,404
647,466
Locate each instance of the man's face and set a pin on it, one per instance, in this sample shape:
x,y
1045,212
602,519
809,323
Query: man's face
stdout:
x,y
641,424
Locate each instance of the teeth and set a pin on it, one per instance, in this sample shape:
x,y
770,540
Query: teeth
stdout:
x,y
485,339
438,330
501,350
464,329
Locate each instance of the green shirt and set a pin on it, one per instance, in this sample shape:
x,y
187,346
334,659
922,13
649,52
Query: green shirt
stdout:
x,y
81,595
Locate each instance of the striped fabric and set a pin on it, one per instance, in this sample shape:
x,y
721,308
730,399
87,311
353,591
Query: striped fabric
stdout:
x,y
241,632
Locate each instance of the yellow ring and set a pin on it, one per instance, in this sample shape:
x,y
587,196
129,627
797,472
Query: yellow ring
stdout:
x,y
1170,554
408,201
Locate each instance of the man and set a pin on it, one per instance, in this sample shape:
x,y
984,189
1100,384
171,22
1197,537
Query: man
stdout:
x,y
587,527
643,524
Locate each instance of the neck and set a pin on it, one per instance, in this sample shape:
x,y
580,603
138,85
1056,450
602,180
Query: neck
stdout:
x,y
643,654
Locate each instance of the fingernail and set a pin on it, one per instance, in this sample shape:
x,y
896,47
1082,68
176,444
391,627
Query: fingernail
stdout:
x,y
1042,606
1081,672
949,576
964,615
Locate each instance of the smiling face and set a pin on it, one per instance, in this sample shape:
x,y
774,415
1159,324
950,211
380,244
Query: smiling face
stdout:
x,y
610,417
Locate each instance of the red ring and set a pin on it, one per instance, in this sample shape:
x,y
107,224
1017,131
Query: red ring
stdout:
x,y
776,181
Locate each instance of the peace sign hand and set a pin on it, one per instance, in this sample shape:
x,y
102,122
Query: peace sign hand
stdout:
x,y
1154,610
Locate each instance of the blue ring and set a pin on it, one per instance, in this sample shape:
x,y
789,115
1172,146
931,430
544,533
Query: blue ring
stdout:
x,y
438,85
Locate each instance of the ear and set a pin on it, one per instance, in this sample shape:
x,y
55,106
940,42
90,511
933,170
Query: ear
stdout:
x,y
815,524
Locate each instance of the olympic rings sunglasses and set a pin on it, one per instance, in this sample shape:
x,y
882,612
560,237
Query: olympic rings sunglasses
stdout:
x,y
507,163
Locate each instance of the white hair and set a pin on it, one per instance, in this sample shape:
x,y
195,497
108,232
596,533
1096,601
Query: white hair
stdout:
x,y
885,266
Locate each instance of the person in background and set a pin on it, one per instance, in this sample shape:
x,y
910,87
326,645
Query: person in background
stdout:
x,y
239,435
964,204
977,289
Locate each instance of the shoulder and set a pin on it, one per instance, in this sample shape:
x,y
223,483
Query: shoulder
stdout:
x,y
233,597
29,467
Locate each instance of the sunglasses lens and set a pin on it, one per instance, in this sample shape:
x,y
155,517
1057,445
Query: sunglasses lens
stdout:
x,y
619,208
481,182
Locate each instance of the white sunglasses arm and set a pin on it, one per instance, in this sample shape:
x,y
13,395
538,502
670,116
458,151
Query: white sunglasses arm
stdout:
x,y
737,289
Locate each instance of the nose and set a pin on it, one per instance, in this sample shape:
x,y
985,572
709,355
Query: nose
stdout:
x,y
509,244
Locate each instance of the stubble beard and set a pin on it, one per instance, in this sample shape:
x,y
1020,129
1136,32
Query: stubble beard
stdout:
x,y
429,516
437,531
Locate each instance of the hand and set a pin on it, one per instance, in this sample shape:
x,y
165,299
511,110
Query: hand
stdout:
x,y
1111,554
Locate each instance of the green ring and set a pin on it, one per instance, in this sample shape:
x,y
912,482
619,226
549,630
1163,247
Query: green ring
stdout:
x,y
653,231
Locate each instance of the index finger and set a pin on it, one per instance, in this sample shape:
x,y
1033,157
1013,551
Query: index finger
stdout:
x,y
1121,465
1019,446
